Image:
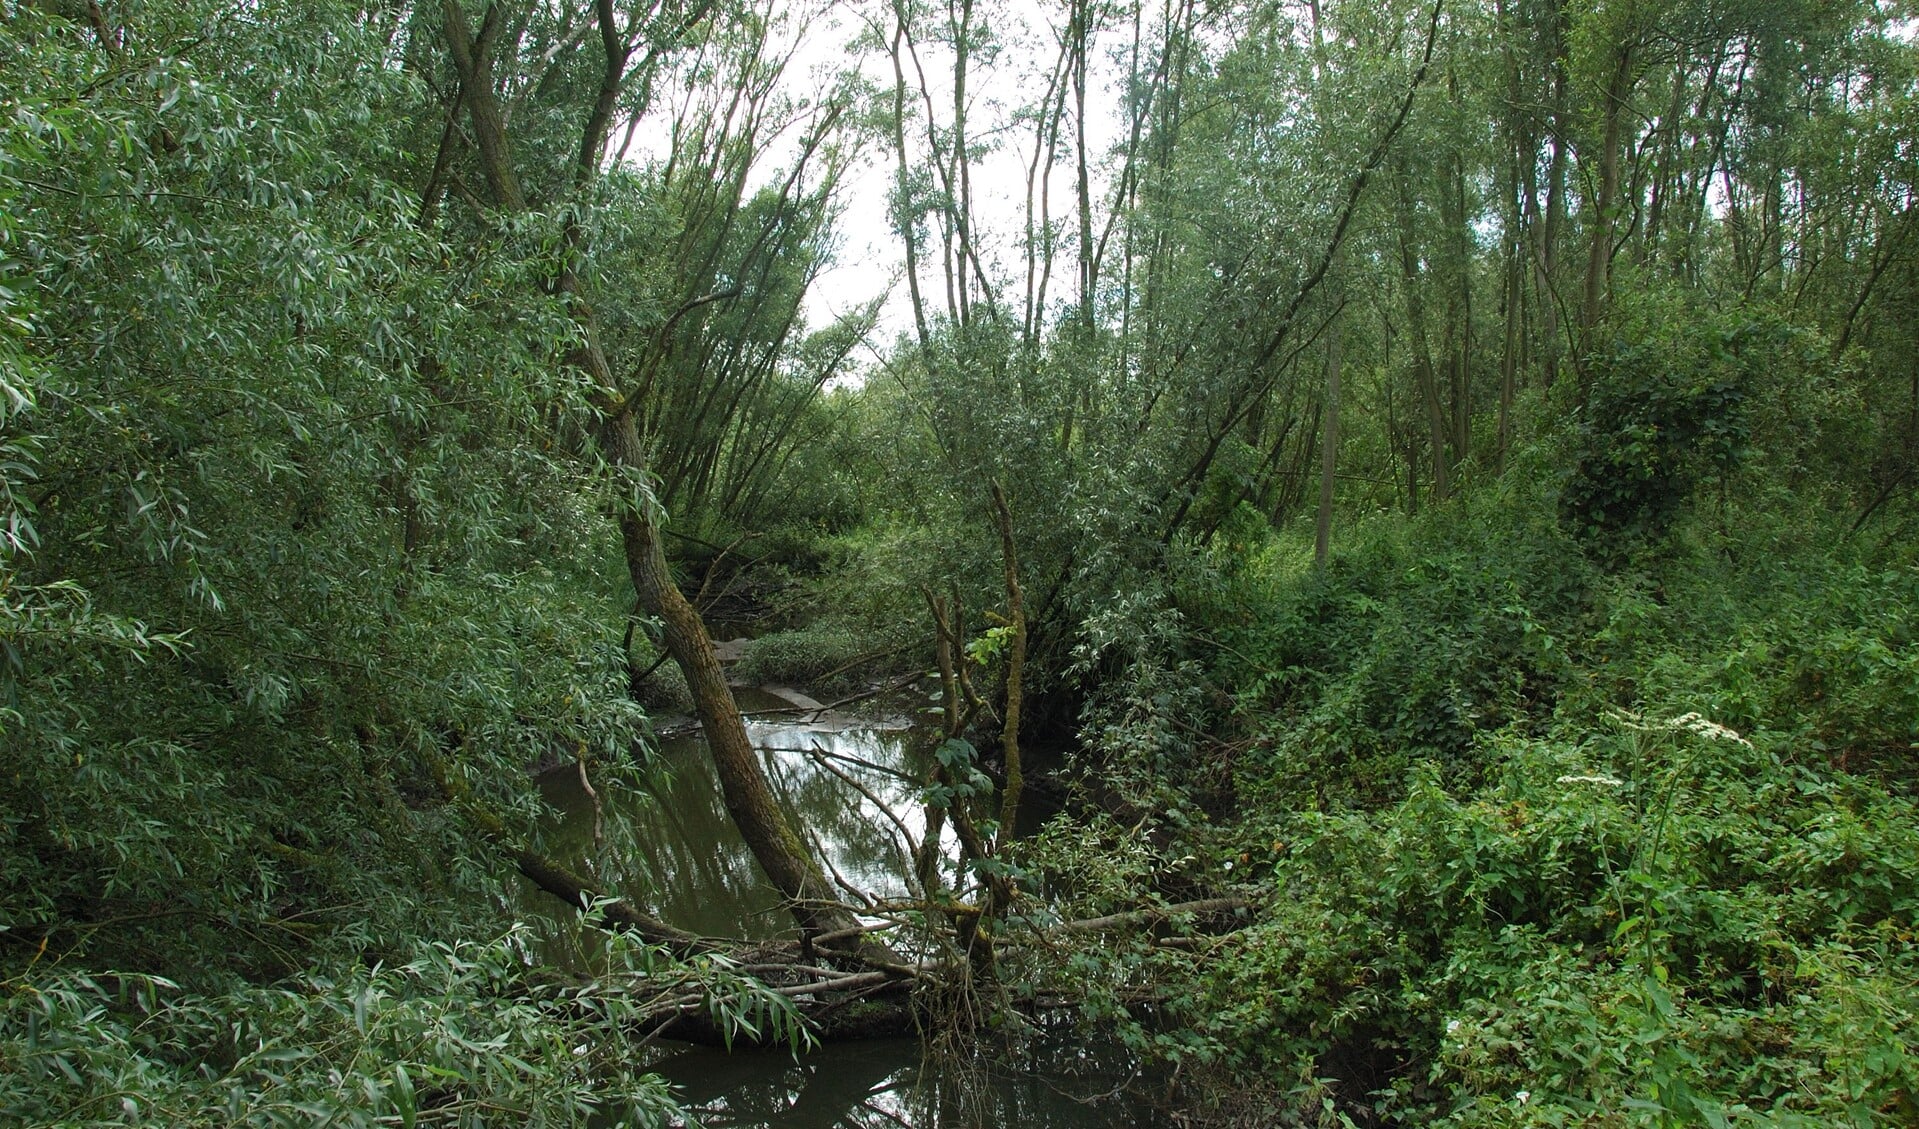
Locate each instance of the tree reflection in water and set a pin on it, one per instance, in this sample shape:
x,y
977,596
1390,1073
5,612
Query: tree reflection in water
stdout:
x,y
670,844
886,1084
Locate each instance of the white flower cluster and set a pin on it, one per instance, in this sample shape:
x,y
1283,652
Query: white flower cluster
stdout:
x,y
1693,723
1687,722
1608,781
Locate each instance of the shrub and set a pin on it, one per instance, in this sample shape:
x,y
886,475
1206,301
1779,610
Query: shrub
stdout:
x,y
1667,405
821,660
1662,924
1402,651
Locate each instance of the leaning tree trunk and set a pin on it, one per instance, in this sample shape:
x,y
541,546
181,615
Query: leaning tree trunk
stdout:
x,y
743,786
748,796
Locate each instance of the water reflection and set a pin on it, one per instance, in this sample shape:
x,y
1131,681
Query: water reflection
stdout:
x,y
885,1084
669,844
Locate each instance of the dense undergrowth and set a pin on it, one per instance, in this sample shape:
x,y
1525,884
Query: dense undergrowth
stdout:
x,y
1531,840
461,1033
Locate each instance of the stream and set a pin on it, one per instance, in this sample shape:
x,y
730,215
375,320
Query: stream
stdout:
x,y
669,844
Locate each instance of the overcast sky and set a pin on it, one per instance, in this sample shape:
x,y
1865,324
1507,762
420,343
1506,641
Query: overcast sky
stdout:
x,y
871,259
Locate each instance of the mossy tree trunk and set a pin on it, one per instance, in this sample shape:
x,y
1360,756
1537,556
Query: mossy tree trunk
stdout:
x,y
748,797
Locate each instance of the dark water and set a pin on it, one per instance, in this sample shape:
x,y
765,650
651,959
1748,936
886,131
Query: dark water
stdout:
x,y
667,842
891,1083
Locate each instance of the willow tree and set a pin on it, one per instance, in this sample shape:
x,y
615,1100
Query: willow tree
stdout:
x,y
1130,372
517,52
717,242
250,533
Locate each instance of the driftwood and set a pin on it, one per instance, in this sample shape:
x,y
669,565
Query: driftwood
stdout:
x,y
844,985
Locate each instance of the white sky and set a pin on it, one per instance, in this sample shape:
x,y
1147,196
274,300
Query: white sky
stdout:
x,y
871,259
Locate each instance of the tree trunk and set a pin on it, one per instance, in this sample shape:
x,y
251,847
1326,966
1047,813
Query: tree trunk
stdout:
x,y
1015,668
1424,378
1088,271
1459,323
747,795
1606,200
1328,452
1549,226
1509,358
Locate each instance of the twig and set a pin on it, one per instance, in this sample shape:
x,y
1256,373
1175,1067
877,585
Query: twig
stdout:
x,y
844,934
699,598
838,983
911,845
592,793
820,852
870,656
895,773
875,692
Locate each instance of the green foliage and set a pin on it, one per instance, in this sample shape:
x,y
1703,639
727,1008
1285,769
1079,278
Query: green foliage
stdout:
x,y
960,762
453,1036
1775,623
297,538
1661,924
990,646
1140,733
1487,895
825,659
1667,406
284,508
1403,651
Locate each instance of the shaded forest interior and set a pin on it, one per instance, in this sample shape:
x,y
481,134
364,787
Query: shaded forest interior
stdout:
x,y
1408,509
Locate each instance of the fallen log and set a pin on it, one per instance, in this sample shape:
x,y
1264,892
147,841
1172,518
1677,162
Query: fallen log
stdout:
x,y
866,1005
844,982
882,999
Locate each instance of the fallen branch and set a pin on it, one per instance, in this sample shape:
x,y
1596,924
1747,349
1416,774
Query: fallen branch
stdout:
x,y
870,656
602,909
875,692
839,984
847,934
1150,915
848,758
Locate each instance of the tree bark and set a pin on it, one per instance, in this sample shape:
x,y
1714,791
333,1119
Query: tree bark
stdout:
x,y
744,789
1328,453
1606,200
1424,377
1509,357
1015,668
748,798
1545,229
